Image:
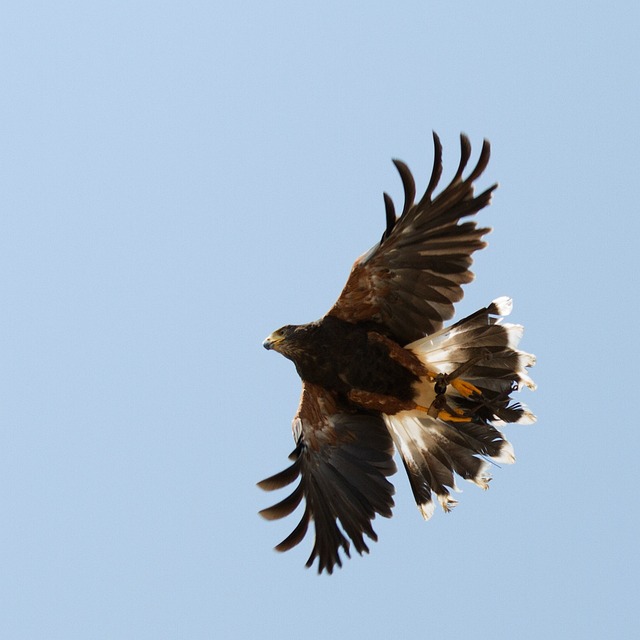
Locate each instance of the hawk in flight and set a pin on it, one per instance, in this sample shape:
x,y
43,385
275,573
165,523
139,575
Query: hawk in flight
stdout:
x,y
380,372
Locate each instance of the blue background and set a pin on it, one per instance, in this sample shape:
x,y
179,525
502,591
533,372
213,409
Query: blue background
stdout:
x,y
181,178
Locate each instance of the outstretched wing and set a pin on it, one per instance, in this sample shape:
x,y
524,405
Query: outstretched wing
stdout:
x,y
409,281
342,458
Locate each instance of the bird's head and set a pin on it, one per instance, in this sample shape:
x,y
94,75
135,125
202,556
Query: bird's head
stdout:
x,y
287,340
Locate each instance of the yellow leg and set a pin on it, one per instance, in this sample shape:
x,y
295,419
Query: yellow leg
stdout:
x,y
449,417
433,410
448,414
465,388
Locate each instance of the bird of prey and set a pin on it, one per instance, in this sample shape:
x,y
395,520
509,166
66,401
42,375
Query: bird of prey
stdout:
x,y
380,372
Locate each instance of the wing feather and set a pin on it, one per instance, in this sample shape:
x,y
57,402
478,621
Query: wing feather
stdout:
x,y
429,245
343,458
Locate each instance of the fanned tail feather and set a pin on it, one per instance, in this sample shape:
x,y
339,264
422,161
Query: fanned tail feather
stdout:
x,y
498,367
434,450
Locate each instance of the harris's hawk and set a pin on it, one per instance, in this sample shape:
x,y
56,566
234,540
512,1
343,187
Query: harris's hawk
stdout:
x,y
379,369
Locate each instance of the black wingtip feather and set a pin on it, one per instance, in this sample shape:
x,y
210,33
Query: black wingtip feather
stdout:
x,y
436,172
482,163
297,535
465,154
390,213
282,479
284,507
408,184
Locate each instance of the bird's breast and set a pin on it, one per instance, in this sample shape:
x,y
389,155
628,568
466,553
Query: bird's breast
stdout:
x,y
348,358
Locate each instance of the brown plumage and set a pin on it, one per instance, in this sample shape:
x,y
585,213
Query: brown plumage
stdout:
x,y
379,369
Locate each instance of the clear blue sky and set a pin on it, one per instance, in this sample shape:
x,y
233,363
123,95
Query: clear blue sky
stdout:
x,y
181,178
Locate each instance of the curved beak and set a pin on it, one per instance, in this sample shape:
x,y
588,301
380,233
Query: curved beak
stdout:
x,y
272,341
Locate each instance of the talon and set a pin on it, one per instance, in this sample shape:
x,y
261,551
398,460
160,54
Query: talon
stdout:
x,y
465,388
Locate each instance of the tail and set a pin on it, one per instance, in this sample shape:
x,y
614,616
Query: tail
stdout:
x,y
478,367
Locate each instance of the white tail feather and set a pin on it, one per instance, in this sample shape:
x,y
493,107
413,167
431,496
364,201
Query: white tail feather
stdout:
x,y
432,451
489,368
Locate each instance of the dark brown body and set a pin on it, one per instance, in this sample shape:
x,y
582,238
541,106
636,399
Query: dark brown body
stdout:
x,y
349,358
